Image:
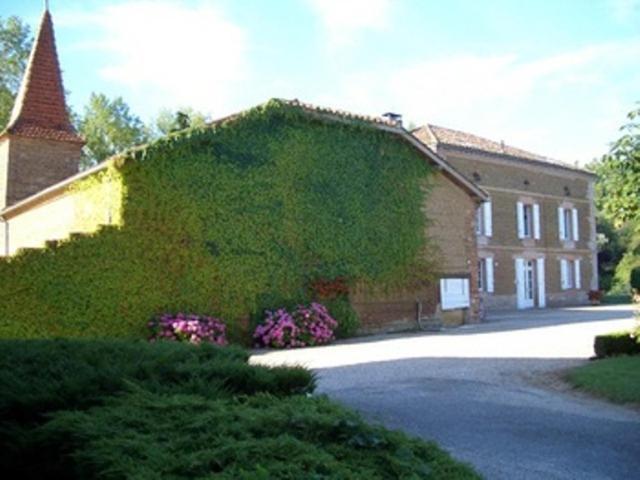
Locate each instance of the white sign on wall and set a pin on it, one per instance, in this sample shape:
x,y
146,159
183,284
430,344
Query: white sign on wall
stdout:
x,y
454,293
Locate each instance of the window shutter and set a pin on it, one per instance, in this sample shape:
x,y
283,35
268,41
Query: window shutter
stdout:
x,y
519,281
574,221
563,274
520,214
561,223
542,298
577,280
536,221
486,210
488,270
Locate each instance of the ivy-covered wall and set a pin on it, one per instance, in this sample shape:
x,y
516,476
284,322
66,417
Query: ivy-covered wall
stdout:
x,y
228,220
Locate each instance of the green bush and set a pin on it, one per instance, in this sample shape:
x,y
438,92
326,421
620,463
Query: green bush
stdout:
x,y
619,343
145,435
123,409
346,316
213,220
41,377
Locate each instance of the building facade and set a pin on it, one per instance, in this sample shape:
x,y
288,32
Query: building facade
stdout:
x,y
536,235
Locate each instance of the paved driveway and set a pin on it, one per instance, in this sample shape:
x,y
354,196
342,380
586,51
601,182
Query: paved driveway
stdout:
x,y
486,393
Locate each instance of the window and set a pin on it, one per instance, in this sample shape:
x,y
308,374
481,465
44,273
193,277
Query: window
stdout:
x,y
454,293
528,216
485,274
568,224
483,220
570,276
527,219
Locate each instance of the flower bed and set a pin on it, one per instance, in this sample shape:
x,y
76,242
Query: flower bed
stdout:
x,y
194,329
304,327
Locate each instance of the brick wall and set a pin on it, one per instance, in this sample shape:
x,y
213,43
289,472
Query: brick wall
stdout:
x,y
32,165
451,213
508,182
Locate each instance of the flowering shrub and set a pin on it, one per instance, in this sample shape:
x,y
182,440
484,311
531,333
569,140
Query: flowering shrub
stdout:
x,y
194,329
305,326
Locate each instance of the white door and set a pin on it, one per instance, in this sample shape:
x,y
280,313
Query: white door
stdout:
x,y
525,282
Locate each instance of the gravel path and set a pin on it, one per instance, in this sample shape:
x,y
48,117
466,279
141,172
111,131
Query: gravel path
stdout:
x,y
490,393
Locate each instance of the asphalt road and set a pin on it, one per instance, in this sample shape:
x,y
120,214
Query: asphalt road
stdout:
x,y
488,393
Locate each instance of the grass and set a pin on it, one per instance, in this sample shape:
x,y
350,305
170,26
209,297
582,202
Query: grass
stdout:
x,y
616,379
125,409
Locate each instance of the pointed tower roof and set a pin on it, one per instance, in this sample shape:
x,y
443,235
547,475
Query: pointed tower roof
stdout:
x,y
40,110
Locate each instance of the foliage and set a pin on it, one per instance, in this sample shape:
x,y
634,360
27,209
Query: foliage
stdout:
x,y
618,343
256,438
619,172
612,245
194,329
306,326
15,45
634,279
219,220
617,379
122,409
109,127
341,309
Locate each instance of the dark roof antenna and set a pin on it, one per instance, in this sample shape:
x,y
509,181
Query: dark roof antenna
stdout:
x,y
394,118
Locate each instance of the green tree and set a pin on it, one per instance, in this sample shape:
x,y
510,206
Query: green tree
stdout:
x,y
15,45
619,174
618,199
109,127
169,121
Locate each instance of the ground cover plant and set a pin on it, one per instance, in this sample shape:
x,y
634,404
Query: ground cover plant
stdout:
x,y
617,379
125,409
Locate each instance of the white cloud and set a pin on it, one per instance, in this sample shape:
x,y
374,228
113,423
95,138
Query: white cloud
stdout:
x,y
168,53
524,102
624,11
344,20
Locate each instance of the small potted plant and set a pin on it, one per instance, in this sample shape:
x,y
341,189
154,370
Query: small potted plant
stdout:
x,y
595,297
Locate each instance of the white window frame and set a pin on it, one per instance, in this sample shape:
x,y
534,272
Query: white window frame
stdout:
x,y
570,274
528,220
568,224
484,223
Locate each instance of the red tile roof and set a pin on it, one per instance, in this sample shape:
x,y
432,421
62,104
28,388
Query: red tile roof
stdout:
x,y
40,110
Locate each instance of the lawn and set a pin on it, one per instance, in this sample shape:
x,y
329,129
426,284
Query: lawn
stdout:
x,y
130,409
616,378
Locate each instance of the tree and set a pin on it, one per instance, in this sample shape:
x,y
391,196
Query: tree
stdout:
x,y
15,45
619,175
109,127
618,199
169,121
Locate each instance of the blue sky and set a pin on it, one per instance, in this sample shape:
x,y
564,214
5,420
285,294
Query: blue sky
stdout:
x,y
555,77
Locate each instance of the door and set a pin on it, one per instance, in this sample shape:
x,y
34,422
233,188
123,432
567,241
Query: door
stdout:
x,y
525,282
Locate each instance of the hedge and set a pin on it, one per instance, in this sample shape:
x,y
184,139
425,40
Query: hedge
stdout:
x,y
618,343
223,220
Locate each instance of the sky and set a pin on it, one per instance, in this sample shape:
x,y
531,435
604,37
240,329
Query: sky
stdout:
x,y
555,77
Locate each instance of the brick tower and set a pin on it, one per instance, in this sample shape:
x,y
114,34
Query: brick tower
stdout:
x,y
39,147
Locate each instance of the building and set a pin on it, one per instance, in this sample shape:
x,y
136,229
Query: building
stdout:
x,y
537,234
49,209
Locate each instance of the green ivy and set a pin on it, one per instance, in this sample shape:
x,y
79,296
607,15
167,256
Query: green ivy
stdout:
x,y
218,219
